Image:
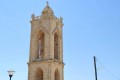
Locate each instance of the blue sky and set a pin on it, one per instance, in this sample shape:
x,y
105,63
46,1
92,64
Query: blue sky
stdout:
x,y
91,28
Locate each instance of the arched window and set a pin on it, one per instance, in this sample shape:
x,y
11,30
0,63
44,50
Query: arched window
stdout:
x,y
39,74
56,46
41,45
57,75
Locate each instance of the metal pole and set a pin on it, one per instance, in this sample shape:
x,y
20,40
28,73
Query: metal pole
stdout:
x,y
95,68
10,76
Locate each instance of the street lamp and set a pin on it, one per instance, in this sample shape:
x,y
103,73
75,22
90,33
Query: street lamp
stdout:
x,y
11,73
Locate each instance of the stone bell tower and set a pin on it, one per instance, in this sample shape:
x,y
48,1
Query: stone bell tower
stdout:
x,y
46,47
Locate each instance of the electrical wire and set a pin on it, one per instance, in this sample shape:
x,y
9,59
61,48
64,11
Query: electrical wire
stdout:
x,y
107,70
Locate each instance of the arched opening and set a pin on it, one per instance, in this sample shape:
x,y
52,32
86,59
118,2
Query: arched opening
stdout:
x,y
41,40
39,74
56,46
57,75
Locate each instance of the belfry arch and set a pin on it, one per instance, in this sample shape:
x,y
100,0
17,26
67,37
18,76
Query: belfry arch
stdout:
x,y
41,44
56,46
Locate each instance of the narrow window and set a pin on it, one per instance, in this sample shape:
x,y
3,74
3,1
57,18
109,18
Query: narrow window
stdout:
x,y
56,46
39,74
57,75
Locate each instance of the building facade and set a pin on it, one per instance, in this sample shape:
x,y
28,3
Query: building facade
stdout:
x,y
46,47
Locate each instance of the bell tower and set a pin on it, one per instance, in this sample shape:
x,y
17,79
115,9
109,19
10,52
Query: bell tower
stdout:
x,y
46,47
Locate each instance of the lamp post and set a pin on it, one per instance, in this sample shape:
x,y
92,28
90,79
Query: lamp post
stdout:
x,y
11,73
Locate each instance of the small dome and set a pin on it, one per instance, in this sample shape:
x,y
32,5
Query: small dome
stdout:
x,y
47,10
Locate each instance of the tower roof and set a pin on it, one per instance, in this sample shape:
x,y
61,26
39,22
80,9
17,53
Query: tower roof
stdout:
x,y
47,10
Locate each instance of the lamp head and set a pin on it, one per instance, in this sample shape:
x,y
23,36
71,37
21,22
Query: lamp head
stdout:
x,y
11,73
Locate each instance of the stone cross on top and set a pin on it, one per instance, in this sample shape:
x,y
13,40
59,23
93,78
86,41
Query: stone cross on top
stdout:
x,y
47,3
